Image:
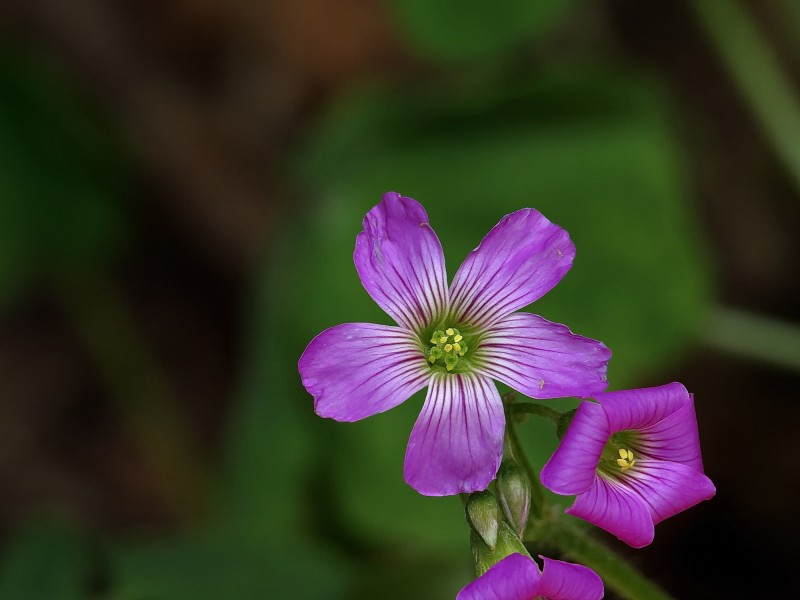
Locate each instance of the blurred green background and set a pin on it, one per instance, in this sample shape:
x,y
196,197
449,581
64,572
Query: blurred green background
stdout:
x,y
181,183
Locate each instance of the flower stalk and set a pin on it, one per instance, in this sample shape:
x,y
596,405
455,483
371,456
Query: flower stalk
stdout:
x,y
514,450
616,572
532,408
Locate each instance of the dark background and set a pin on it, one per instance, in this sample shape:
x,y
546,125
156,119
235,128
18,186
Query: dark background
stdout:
x,y
181,183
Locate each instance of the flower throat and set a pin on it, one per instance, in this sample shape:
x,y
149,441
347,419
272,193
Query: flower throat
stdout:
x,y
448,348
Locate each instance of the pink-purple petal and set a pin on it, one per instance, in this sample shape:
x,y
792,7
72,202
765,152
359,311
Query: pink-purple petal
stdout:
x,y
674,438
542,359
521,259
641,408
516,577
357,370
668,488
617,509
400,262
567,581
571,470
457,442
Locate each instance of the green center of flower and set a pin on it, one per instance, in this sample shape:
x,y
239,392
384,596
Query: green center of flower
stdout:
x,y
617,457
447,349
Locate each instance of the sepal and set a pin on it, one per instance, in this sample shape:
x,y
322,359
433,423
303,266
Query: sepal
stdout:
x,y
507,543
514,495
484,516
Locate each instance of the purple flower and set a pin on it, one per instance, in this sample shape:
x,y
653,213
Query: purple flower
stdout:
x,y
633,459
517,577
454,340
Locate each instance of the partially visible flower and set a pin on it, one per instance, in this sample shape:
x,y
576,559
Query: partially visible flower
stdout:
x,y
517,577
454,340
633,459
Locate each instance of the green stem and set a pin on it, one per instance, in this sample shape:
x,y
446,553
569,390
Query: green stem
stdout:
x,y
758,73
616,572
532,408
754,336
537,493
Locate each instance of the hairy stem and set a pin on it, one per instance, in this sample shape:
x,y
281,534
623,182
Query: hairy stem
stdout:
x,y
533,408
615,570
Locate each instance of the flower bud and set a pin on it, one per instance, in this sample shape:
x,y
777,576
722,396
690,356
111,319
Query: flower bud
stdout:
x,y
483,515
514,494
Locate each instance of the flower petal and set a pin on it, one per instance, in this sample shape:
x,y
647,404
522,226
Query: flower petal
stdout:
x,y
359,369
542,359
400,262
521,259
638,409
668,488
567,581
516,577
616,509
675,438
457,441
572,468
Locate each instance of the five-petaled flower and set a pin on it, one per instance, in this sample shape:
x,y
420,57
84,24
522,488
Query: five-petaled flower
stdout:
x,y
517,577
454,340
633,459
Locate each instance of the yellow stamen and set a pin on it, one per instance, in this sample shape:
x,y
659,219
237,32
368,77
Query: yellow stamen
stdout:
x,y
443,339
458,338
448,347
456,347
449,331
625,461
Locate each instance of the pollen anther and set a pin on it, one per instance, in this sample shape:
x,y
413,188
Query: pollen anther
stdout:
x,y
625,460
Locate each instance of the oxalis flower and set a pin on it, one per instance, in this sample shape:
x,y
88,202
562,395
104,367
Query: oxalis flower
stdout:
x,y
454,340
633,459
517,577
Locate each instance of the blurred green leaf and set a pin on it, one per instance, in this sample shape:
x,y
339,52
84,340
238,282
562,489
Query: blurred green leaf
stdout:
x,y
450,30
214,566
46,561
418,576
60,177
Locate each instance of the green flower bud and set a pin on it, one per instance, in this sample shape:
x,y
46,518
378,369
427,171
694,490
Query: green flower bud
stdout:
x,y
484,516
507,543
514,494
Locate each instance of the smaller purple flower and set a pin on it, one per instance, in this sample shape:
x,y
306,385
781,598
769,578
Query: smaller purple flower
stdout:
x,y
633,459
517,577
